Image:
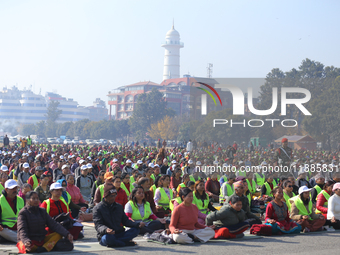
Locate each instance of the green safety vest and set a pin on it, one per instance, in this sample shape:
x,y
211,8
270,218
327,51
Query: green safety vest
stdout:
x,y
165,201
136,213
132,180
153,177
101,189
153,189
35,181
29,141
252,187
242,173
249,198
201,205
268,189
301,207
122,185
287,198
225,178
8,218
230,191
177,199
327,196
48,203
274,183
182,185
318,189
1,187
260,180
192,178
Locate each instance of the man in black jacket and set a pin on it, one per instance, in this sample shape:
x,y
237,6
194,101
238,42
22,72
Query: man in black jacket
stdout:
x,y
109,219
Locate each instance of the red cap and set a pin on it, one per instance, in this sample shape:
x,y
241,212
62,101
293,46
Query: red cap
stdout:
x,y
284,140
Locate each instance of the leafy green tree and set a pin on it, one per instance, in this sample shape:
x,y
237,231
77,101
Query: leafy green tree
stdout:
x,y
27,129
40,128
122,128
150,108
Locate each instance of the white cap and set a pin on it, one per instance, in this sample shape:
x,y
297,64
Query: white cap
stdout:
x,y
29,151
39,155
128,161
4,168
64,166
198,163
81,161
53,155
61,157
89,165
139,162
15,151
26,165
151,165
69,156
156,165
241,162
174,162
84,167
304,189
56,185
13,154
115,160
5,153
73,156
190,161
11,184
89,158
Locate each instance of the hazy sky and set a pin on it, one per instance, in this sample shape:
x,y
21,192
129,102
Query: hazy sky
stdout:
x,y
83,49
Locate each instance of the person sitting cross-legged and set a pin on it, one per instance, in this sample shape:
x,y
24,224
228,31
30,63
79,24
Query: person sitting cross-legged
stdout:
x,y
109,220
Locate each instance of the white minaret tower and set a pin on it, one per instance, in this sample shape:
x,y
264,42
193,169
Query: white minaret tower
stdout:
x,y
172,45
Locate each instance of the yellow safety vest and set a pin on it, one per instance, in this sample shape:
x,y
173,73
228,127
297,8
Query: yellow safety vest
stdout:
x,y
153,189
35,181
182,185
136,213
179,201
122,185
165,201
1,187
153,177
48,203
192,178
101,189
268,189
8,217
252,187
230,191
259,180
201,205
301,207
327,196
318,189
286,197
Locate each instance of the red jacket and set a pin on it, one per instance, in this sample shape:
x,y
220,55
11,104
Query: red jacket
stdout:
x,y
320,202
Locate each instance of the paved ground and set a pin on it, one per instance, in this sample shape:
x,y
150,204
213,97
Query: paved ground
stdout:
x,y
314,243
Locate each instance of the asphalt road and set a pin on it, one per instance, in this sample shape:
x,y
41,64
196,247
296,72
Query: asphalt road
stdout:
x,y
313,243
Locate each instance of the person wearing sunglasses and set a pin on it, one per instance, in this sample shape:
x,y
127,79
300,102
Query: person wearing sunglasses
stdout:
x,y
288,193
333,212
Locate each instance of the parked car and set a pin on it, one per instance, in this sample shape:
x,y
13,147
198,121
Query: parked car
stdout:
x,y
51,140
75,141
67,141
103,141
90,142
112,142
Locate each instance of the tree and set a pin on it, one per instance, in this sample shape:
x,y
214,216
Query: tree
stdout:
x,y
27,129
122,128
166,129
52,115
150,108
41,128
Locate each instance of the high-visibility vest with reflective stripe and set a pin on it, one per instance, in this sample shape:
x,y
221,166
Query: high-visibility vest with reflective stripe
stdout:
x,y
35,181
268,189
136,213
182,185
230,191
201,205
287,198
259,180
122,185
327,196
48,203
165,201
179,201
252,187
301,207
8,217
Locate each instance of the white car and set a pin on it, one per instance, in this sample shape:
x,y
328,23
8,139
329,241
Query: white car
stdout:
x,y
112,142
67,141
75,141
89,141
51,140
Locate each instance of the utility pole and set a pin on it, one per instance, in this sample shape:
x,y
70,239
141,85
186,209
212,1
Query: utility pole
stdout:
x,y
209,70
